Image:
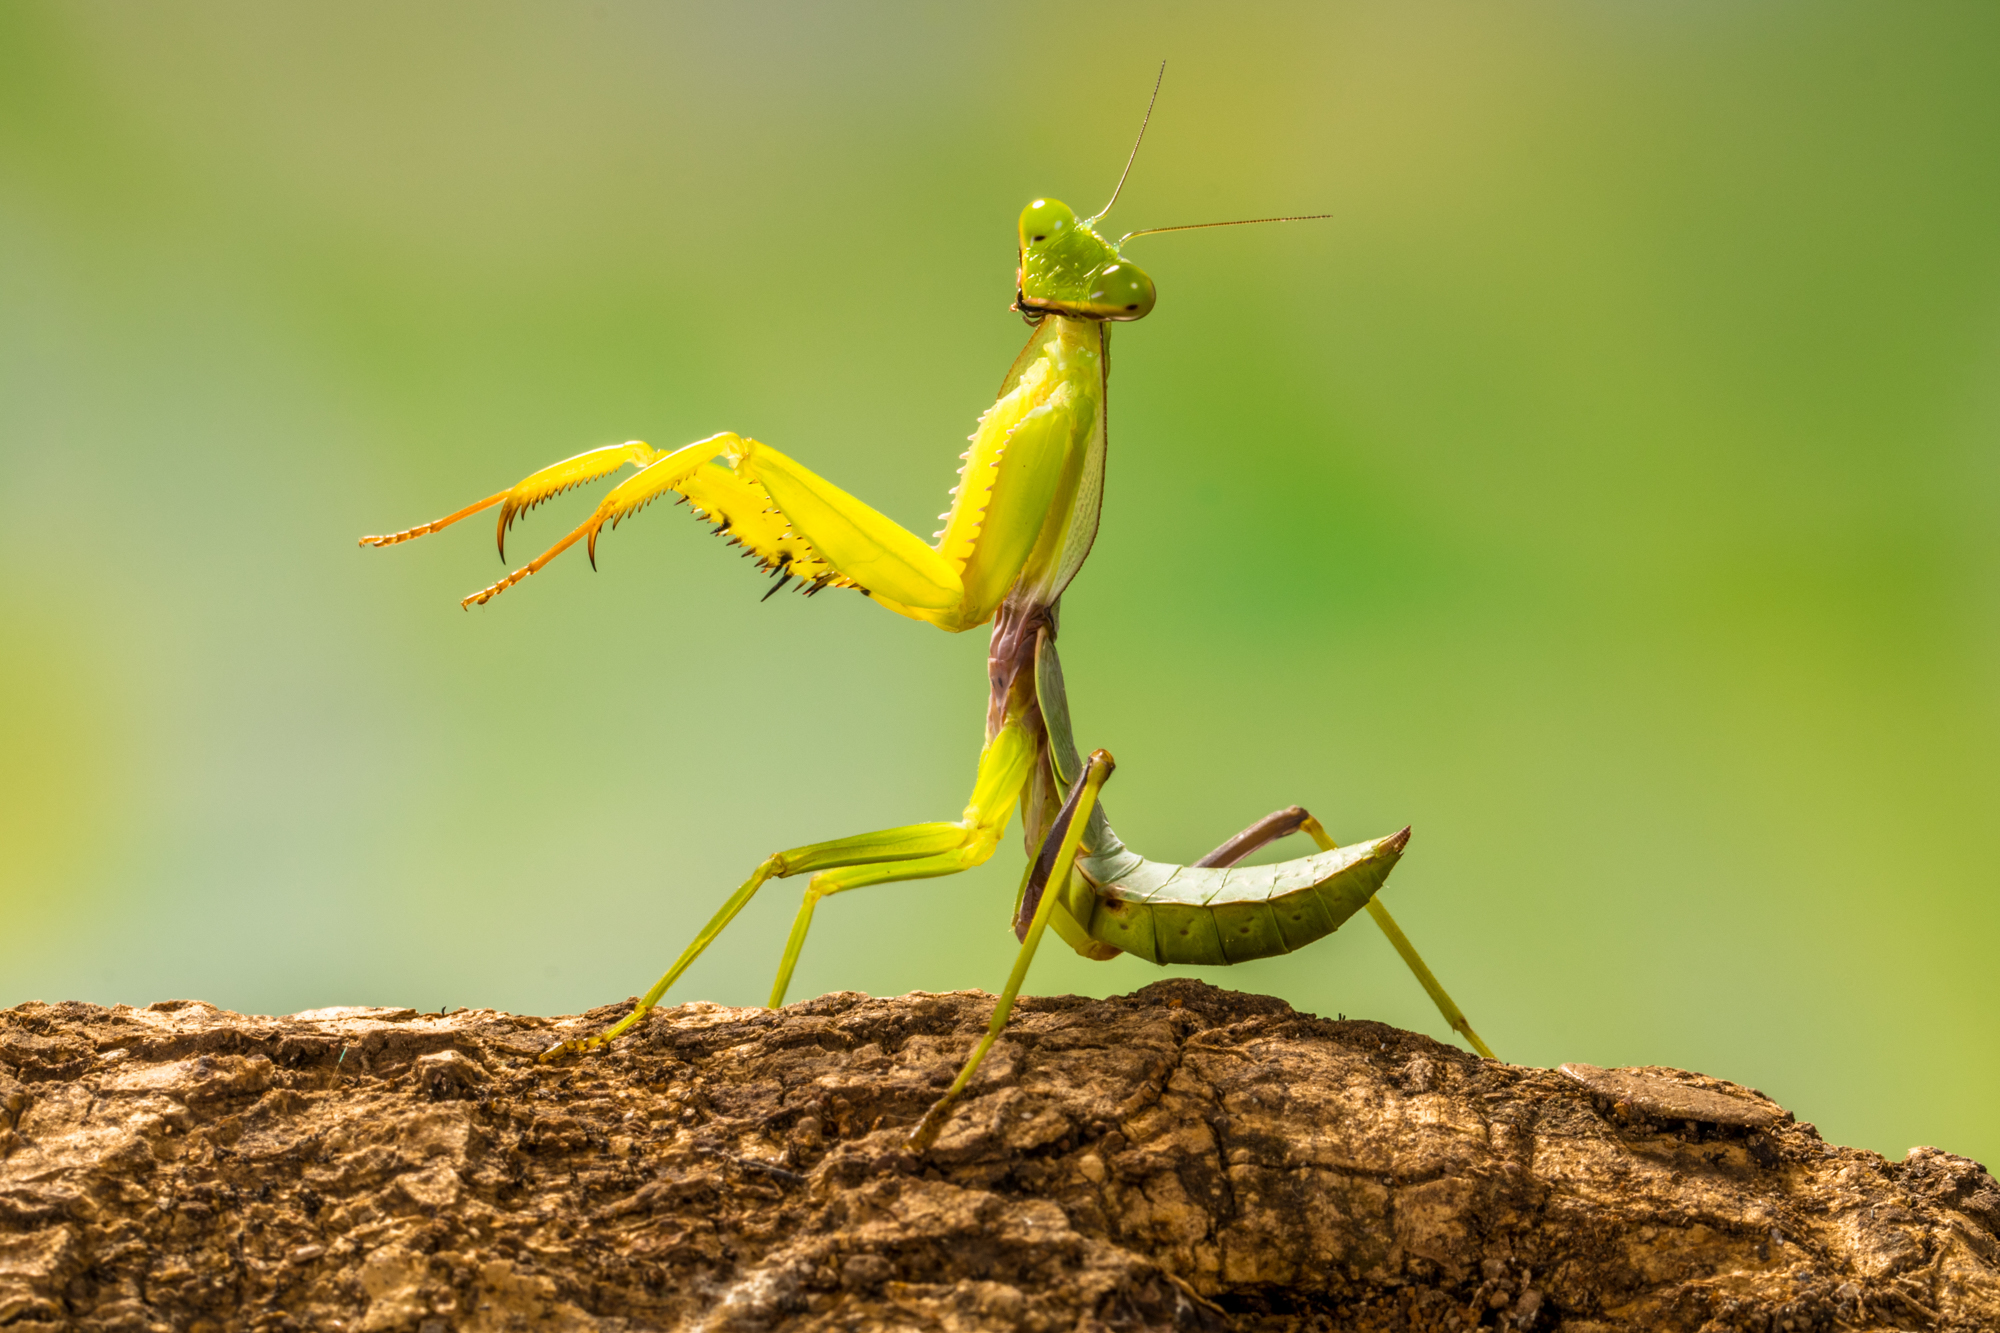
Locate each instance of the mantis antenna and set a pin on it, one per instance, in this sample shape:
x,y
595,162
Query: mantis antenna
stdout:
x,y
1143,123
1240,222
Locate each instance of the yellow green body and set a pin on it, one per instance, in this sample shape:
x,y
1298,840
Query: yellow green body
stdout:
x,y
1022,519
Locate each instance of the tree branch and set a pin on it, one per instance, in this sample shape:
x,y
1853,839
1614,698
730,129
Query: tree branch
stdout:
x,y
1182,1157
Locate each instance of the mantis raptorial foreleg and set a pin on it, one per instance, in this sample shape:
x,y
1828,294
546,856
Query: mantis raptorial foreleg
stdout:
x,y
788,516
911,851
536,487
1294,819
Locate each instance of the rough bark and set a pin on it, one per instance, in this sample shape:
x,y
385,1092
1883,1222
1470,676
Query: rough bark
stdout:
x,y
1178,1158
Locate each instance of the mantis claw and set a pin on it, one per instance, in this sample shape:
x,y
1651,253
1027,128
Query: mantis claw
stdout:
x,y
926,1133
574,1046
596,1041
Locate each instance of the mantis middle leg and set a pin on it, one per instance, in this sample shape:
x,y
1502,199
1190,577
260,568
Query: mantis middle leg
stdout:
x,y
1052,868
1294,819
910,851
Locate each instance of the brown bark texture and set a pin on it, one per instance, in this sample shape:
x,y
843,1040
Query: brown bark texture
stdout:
x,y
1183,1157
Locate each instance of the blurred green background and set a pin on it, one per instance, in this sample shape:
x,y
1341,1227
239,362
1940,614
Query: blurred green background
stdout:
x,y
1610,490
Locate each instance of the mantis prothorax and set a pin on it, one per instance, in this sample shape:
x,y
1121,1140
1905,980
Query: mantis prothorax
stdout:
x,y
1022,519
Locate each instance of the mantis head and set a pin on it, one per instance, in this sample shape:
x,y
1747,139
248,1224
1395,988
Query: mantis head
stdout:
x,y
1068,269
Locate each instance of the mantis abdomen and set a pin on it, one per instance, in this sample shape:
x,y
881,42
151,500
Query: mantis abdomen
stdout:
x,y
1118,900
1199,914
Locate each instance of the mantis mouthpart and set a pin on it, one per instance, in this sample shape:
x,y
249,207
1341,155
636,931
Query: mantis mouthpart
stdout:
x,y
1022,519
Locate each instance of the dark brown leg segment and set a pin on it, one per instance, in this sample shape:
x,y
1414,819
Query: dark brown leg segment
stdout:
x,y
1276,825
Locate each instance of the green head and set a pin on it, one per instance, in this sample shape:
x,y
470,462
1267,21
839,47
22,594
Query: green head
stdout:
x,y
1068,269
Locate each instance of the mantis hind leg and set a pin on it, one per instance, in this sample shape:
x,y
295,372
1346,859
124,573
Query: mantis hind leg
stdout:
x,y
1295,819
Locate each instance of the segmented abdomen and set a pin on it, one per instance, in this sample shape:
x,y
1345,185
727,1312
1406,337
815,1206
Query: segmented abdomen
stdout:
x,y
1195,914
1212,915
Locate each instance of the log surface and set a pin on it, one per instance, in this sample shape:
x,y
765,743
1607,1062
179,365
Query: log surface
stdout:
x,y
1182,1157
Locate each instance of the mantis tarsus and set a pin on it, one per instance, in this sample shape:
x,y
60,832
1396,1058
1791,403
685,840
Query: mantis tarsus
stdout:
x,y
1023,517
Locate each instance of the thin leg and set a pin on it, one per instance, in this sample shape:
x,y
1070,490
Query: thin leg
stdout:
x,y
772,866
1075,815
1294,819
822,534
1276,825
830,882
1002,769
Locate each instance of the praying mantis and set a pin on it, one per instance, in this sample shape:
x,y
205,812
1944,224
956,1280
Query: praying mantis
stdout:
x,y
1022,519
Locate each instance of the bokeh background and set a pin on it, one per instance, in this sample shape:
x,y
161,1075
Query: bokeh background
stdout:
x,y
1610,490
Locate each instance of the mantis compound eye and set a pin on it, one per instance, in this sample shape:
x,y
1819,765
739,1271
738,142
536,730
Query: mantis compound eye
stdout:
x,y
1043,221
1122,291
